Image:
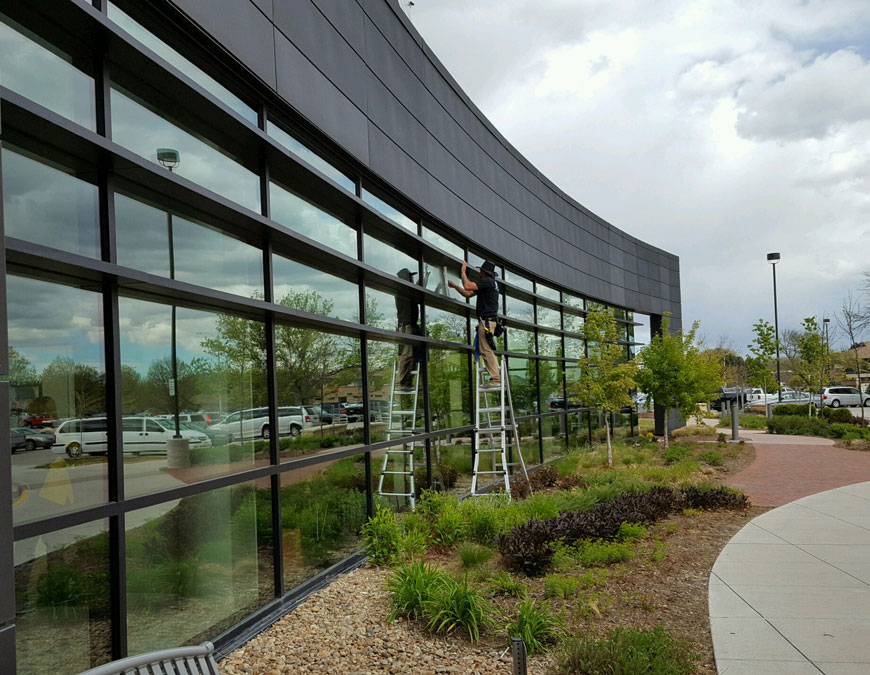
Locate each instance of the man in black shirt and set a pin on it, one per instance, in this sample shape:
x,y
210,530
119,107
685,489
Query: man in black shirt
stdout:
x,y
408,317
487,291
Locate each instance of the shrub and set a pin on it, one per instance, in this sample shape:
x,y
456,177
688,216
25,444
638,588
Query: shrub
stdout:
x,y
791,410
449,528
848,432
183,578
504,584
676,453
412,586
712,458
561,586
545,477
713,497
803,426
722,438
843,415
432,503
626,651
603,553
473,555
519,487
454,604
414,544
698,430
536,625
486,517
746,421
631,532
59,586
382,538
571,482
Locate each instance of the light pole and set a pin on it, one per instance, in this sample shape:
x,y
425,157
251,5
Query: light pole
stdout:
x,y
773,258
828,351
170,159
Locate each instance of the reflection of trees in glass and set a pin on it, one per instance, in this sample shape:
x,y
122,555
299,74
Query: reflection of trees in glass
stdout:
x,y
21,370
550,380
447,326
75,388
524,385
448,388
155,386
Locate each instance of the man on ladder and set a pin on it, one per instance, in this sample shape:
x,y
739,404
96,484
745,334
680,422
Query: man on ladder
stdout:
x,y
487,291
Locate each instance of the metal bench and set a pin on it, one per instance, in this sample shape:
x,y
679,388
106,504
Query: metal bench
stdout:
x,y
198,660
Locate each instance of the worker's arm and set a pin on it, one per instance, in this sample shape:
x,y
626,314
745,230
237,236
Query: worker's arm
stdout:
x,y
459,289
466,284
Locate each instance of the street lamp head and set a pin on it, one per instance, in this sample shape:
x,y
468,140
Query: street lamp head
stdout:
x,y
773,258
826,321
168,157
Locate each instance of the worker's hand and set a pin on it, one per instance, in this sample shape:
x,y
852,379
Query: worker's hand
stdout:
x,y
452,284
464,265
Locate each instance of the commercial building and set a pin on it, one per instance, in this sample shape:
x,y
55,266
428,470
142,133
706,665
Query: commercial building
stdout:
x,y
218,210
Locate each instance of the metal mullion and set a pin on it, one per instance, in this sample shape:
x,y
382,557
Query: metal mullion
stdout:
x,y
364,362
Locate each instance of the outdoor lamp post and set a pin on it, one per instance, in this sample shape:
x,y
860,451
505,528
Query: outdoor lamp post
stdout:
x,y
170,159
828,352
773,258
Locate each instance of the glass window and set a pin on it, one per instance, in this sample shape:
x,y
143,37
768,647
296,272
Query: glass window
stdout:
x,y
572,322
312,290
449,396
574,348
220,368
520,309
443,243
303,152
391,469
593,306
443,325
520,341
452,462
392,312
388,259
45,75
395,390
437,277
167,53
619,314
518,280
524,385
197,566
56,373
547,292
642,332
578,430
49,205
322,511
299,215
203,255
549,317
553,436
319,380
389,212
573,301
63,616
142,130
549,345
529,442
550,378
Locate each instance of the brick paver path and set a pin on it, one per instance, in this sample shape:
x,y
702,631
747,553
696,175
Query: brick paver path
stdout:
x,y
790,467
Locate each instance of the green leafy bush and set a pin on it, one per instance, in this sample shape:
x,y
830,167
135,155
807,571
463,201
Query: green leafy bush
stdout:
x,y
713,497
561,586
842,415
849,432
412,586
631,532
801,426
432,503
449,528
746,421
676,453
791,410
473,555
504,584
603,553
626,651
455,605
712,458
536,625
382,538
59,586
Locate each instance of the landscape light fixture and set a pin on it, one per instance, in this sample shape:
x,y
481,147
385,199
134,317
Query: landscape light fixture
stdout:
x,y
168,157
773,258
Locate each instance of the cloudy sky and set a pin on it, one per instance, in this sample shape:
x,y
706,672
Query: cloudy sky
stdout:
x,y
718,130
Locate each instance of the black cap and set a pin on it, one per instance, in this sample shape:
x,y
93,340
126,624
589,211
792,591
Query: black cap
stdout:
x,y
489,268
406,274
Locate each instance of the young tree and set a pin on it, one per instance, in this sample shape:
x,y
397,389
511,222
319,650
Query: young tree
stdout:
x,y
607,376
814,357
853,321
675,372
762,350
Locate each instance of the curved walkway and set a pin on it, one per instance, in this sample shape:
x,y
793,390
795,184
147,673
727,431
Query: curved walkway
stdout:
x,y
790,593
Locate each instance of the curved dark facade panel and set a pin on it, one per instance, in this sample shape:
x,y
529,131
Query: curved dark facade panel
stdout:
x,y
360,72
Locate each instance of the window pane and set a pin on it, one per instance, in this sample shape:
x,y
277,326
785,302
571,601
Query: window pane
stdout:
x,y
550,374
63,618
389,212
391,312
197,566
573,301
319,381
142,130
578,430
304,153
549,317
572,322
142,234
520,309
518,280
549,345
442,242
49,206
56,373
395,390
529,443
391,474
593,306
553,437
524,386
45,75
449,396
451,454
196,74
574,348
547,292
388,259
303,217
437,277
322,511
311,290
220,370
520,341
443,325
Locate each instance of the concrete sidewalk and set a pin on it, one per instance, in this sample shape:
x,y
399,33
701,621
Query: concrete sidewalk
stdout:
x,y
790,593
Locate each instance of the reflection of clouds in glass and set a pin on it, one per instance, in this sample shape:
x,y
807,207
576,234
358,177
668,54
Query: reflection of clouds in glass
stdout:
x,y
518,309
303,152
45,77
385,257
390,212
549,345
443,325
573,301
142,131
142,234
146,332
47,206
47,320
381,309
517,280
443,243
292,277
548,317
437,277
303,217
573,323
522,341
547,292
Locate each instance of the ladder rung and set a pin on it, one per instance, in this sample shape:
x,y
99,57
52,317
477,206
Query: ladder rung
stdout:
x,y
490,472
489,449
407,432
398,473
400,452
487,410
396,494
403,412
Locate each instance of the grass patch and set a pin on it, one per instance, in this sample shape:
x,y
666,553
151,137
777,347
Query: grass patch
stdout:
x,y
504,584
455,605
412,586
536,624
747,421
474,555
698,430
561,586
712,458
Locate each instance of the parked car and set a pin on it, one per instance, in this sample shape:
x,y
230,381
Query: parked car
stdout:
x,y
16,438
28,439
196,437
38,420
312,415
835,397
254,423
140,434
200,418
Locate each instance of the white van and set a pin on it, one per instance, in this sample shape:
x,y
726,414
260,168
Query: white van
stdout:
x,y
140,434
254,423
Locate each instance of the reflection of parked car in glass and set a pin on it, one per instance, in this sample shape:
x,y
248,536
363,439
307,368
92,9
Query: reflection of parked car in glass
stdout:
x,y
140,434
28,439
197,438
254,423
337,411
38,420
200,418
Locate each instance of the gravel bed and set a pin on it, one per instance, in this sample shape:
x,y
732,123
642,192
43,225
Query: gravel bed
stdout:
x,y
343,630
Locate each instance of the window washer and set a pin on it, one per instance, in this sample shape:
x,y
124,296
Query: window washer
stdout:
x,y
408,317
487,291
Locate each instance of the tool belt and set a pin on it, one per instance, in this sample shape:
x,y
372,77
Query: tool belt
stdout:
x,y
492,333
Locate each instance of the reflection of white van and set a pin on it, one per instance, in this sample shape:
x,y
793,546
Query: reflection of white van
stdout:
x,y
141,434
254,423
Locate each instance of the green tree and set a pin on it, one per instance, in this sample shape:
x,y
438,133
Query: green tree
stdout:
x,y
762,349
814,356
676,373
853,321
76,389
607,376
21,371
156,386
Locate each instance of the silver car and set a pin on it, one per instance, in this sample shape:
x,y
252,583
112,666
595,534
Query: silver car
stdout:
x,y
835,397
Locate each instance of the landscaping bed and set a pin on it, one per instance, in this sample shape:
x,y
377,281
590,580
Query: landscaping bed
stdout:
x,y
649,577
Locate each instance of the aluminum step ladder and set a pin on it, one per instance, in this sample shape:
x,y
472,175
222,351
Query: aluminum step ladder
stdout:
x,y
493,421
401,423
